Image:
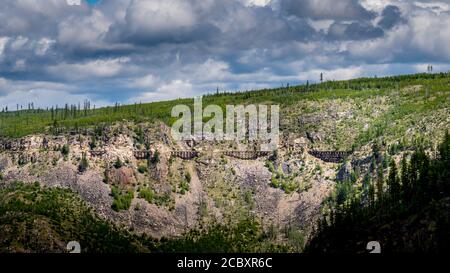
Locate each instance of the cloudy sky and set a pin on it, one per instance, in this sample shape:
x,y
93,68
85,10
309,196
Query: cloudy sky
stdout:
x,y
145,50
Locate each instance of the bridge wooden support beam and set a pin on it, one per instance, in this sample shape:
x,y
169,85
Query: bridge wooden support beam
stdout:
x,y
186,155
143,154
97,153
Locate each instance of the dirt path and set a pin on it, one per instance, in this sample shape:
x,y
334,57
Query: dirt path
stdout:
x,y
195,188
191,200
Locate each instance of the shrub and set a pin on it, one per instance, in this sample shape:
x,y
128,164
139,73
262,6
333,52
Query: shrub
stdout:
x,y
343,191
121,201
161,200
84,164
188,177
203,209
147,194
248,198
155,158
22,161
270,166
142,169
318,169
65,150
296,238
184,187
274,182
289,186
106,177
93,143
118,164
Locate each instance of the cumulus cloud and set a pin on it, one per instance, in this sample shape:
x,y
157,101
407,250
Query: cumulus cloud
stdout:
x,y
96,69
423,38
149,21
144,50
148,81
15,94
174,89
83,32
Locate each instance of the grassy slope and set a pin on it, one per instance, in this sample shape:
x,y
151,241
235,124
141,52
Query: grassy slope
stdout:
x,y
432,96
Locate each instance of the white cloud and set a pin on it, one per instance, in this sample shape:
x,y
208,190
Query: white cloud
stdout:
x,y
154,17
321,25
43,45
172,90
9,85
210,70
430,34
424,35
42,94
91,69
44,98
259,3
422,67
376,5
85,31
436,6
148,81
18,43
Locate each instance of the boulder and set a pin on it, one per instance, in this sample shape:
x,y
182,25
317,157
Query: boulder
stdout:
x,y
314,137
5,162
123,176
344,172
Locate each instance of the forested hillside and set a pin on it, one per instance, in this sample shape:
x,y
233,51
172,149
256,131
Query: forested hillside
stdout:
x,y
408,211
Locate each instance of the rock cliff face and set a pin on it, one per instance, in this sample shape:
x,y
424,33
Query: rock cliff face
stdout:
x,y
215,183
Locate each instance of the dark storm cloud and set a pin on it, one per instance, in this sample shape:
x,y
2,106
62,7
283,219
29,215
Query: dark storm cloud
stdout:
x,y
354,31
149,23
217,23
327,9
390,17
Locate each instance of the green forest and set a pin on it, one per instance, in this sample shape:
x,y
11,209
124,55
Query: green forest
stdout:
x,y
58,119
408,211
